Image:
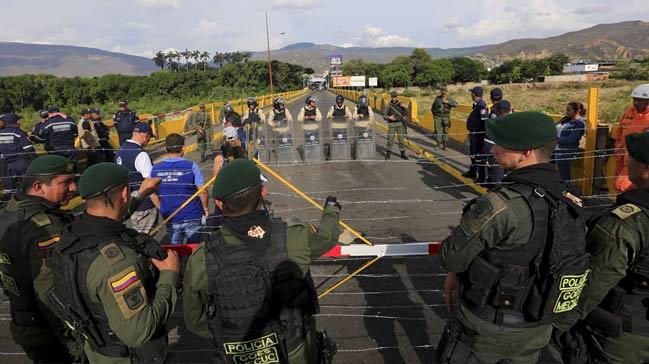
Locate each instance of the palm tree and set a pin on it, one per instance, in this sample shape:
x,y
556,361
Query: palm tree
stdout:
x,y
246,56
205,58
159,59
218,59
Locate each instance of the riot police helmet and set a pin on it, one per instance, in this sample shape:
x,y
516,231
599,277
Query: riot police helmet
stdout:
x,y
363,101
340,99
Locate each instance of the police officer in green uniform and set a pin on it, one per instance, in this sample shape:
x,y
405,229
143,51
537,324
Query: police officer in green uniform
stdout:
x,y
30,227
201,121
249,287
115,286
395,115
615,302
517,261
441,110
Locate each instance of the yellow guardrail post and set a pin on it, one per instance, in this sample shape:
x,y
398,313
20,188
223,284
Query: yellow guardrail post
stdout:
x,y
591,134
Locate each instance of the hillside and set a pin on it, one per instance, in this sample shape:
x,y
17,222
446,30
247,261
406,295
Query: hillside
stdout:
x,y
626,40
316,56
61,60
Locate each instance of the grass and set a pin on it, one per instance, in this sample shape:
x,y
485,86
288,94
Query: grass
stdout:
x,y
614,97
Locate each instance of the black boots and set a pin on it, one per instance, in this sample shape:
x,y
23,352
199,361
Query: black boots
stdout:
x,y
387,154
403,155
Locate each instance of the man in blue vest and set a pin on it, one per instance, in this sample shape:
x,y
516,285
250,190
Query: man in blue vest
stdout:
x,y
181,178
133,156
58,133
16,151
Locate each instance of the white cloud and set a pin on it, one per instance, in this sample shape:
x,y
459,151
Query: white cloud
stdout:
x,y
510,19
295,4
207,27
162,4
372,36
134,52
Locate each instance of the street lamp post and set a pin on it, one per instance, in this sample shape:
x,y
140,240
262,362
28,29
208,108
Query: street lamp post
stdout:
x,y
270,66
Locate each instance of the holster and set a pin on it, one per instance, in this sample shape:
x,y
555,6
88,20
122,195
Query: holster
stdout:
x,y
605,322
327,348
455,344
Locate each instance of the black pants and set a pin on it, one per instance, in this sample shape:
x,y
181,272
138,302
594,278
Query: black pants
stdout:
x,y
476,144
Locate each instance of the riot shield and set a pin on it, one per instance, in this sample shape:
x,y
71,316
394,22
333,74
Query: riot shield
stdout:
x,y
313,146
364,143
340,138
283,144
261,137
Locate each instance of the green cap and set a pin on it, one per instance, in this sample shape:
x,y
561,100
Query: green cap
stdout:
x,y
50,165
636,144
237,176
394,94
101,178
522,130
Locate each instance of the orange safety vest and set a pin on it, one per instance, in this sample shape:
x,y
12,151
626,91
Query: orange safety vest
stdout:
x,y
631,122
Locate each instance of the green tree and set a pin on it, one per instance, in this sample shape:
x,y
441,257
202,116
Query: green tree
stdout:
x,y
556,63
468,70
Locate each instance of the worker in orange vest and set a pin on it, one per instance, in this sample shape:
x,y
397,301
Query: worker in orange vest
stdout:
x,y
634,120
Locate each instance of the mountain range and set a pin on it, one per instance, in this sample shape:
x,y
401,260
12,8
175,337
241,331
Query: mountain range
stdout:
x,y
625,40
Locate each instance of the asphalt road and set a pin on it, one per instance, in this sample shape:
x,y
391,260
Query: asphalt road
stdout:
x,y
392,313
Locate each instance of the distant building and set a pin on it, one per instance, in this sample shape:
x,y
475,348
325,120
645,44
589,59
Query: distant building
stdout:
x,y
578,68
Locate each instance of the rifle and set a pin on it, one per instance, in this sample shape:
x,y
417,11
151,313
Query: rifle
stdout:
x,y
403,119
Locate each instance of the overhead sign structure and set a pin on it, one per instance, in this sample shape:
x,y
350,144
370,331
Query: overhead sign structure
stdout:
x,y
342,81
357,81
336,59
373,81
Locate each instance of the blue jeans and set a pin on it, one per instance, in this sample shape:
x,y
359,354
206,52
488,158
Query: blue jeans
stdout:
x,y
563,159
190,230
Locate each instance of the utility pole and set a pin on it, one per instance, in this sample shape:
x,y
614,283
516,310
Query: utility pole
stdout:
x,y
270,67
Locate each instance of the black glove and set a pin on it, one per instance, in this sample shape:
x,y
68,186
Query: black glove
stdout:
x,y
332,201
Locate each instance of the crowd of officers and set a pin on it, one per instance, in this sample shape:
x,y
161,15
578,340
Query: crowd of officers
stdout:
x,y
86,141
526,265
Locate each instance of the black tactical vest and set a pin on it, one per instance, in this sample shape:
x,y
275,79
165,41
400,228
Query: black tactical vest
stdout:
x,y
363,110
259,307
15,269
309,112
71,301
340,112
629,300
279,115
540,281
253,117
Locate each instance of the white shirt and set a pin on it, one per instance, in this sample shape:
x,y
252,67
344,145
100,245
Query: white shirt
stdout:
x,y
142,162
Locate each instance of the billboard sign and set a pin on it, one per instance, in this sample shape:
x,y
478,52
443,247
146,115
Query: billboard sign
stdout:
x,y
357,81
373,81
336,60
342,81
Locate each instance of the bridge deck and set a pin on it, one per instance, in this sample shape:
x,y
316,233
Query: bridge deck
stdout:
x,y
392,312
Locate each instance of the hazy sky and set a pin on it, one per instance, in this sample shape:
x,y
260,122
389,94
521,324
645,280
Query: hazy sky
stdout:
x,y
143,27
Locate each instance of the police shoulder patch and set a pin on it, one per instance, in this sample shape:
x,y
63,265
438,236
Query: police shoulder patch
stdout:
x,y
41,219
483,210
128,291
112,253
626,211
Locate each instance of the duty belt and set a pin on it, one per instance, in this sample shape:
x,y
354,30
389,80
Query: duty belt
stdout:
x,y
505,318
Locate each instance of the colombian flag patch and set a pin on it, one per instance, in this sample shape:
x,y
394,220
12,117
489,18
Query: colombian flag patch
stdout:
x,y
48,243
124,282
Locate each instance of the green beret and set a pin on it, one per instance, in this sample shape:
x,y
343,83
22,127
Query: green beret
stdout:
x,y
636,144
236,176
101,178
522,130
50,165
